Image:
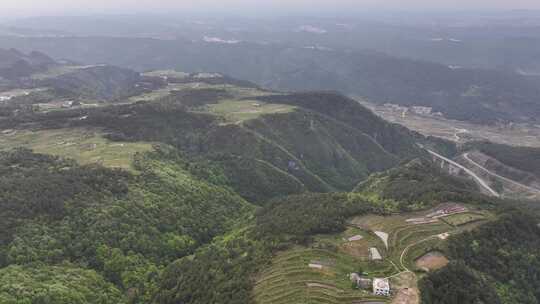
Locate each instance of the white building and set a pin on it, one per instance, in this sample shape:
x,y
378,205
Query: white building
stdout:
x,y
374,254
381,287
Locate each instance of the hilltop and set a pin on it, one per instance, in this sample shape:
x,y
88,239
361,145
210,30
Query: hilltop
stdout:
x,y
265,143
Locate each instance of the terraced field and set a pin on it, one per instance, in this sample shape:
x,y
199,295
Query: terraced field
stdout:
x,y
292,280
320,273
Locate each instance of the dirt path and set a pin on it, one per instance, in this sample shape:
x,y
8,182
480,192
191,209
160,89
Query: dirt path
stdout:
x,y
404,252
469,172
466,156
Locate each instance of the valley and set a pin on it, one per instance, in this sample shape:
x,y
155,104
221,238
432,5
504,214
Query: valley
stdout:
x,y
170,187
461,132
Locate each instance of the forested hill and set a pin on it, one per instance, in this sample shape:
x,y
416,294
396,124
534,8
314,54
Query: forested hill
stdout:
x,y
16,67
493,264
266,143
14,63
167,178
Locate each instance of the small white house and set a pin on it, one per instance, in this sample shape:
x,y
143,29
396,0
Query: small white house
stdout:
x,y
381,287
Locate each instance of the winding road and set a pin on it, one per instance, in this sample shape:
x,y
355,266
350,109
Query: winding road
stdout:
x,y
466,156
469,172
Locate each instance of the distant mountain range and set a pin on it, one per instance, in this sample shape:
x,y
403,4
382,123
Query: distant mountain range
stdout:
x,y
15,65
480,96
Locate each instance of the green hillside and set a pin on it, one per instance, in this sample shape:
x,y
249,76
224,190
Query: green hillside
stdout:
x,y
124,226
265,143
420,183
205,189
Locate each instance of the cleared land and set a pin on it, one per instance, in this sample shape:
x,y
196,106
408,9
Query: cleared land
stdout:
x,y
166,73
240,110
464,218
86,146
432,261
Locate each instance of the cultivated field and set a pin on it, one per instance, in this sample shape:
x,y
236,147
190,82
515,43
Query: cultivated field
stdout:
x,y
464,218
292,280
320,273
86,146
237,111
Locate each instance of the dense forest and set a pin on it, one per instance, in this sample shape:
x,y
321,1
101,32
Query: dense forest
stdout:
x,y
166,235
125,227
421,184
496,263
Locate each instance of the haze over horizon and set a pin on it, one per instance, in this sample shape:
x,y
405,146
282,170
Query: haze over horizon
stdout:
x,y
22,8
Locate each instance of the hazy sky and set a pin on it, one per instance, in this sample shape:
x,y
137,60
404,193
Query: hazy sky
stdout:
x,y
39,7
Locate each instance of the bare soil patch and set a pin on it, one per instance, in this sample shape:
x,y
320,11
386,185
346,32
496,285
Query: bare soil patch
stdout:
x,y
407,296
432,261
406,289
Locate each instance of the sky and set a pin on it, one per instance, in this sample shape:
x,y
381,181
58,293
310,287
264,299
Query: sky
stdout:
x,y
58,7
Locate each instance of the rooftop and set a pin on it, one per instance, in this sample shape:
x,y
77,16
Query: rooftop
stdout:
x,y
381,283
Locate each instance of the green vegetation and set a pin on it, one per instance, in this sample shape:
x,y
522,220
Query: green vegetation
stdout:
x,y
125,227
222,272
465,94
291,280
96,83
166,73
57,71
86,146
464,218
456,283
393,138
55,284
521,158
502,261
153,199
420,183
240,110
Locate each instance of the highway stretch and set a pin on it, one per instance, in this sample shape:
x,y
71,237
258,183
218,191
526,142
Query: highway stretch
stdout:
x,y
479,180
466,156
